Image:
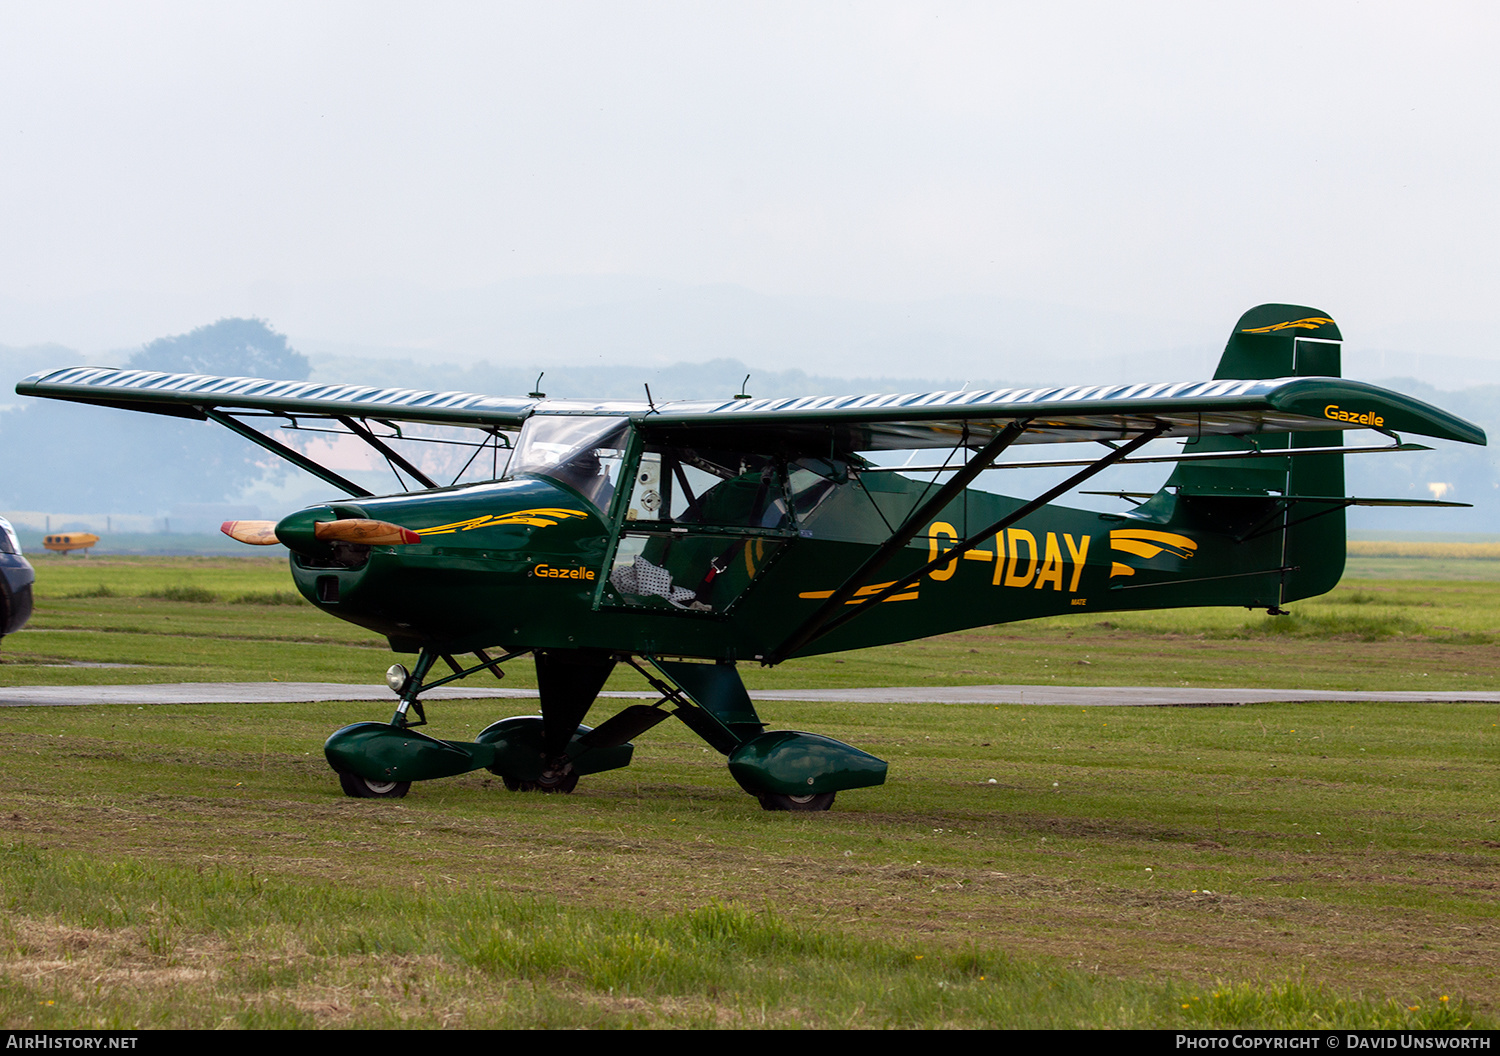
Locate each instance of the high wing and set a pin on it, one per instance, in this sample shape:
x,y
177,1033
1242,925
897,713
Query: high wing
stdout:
x,y
1080,412
367,412
854,423
192,395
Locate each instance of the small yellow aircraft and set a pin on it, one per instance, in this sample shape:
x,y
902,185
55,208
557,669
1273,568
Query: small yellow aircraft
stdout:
x,y
65,542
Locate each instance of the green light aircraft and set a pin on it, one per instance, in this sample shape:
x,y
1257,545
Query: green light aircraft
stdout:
x,y
684,538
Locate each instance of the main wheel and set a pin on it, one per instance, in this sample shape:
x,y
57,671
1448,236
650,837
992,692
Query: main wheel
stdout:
x,y
550,781
557,781
365,788
777,801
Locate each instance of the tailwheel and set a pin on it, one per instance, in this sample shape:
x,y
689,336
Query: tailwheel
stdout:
x,y
365,788
777,801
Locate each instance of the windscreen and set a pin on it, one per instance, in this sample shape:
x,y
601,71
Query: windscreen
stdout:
x,y
583,452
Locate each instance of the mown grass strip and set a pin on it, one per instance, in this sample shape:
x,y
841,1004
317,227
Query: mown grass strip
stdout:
x,y
200,595
129,944
1384,548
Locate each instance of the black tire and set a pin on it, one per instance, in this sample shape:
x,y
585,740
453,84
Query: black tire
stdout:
x,y
548,782
777,801
364,788
555,782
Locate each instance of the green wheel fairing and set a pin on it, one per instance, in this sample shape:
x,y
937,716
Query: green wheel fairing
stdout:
x,y
510,748
790,763
379,751
517,754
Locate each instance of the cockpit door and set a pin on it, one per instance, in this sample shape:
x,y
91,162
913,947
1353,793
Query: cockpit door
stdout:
x,y
697,530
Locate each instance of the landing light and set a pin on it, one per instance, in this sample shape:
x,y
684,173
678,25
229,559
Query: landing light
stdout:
x,y
395,677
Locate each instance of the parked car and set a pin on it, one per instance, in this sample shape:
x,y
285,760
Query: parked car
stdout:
x,y
16,577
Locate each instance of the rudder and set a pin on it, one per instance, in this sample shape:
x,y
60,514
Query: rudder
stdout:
x,y
1278,341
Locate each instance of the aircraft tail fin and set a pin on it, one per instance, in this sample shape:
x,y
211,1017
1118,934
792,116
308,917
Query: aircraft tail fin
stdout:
x,y
1282,341
1277,341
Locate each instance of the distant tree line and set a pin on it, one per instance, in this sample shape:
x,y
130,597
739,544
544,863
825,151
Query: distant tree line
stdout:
x,y
69,457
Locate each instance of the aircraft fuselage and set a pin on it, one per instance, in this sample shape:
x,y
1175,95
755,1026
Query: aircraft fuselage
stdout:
x,y
527,563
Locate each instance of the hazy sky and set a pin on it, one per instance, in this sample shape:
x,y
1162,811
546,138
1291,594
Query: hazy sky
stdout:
x,y
1162,159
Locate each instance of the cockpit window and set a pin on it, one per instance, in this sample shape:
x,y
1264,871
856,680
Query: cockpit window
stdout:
x,y
9,544
707,487
583,452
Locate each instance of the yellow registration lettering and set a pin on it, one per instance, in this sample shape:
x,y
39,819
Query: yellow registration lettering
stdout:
x,y
1017,536
1078,554
934,548
1052,564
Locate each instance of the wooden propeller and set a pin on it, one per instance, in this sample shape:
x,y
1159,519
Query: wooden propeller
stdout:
x,y
360,530
256,533
348,530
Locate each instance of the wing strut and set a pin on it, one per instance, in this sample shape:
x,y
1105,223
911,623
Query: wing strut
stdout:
x,y
824,622
296,458
964,475
390,455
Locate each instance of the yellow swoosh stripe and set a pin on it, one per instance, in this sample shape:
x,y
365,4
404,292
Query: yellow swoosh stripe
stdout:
x,y
1147,543
861,594
542,517
1310,323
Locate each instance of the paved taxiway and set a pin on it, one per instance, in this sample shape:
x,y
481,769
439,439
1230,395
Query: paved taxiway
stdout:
x,y
301,692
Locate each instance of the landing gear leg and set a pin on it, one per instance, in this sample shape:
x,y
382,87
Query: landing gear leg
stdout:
x,y
380,760
568,681
711,700
413,686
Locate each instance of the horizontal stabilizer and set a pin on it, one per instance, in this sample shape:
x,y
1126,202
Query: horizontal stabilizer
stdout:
x,y
1322,500
1330,500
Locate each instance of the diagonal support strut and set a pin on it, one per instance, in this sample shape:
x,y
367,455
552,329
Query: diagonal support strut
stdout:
x,y
809,632
296,458
811,627
390,454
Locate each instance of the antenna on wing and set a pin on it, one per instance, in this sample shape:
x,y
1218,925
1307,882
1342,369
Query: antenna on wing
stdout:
x,y
742,394
648,397
539,395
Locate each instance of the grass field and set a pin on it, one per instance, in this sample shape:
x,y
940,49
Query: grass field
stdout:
x,y
1276,865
